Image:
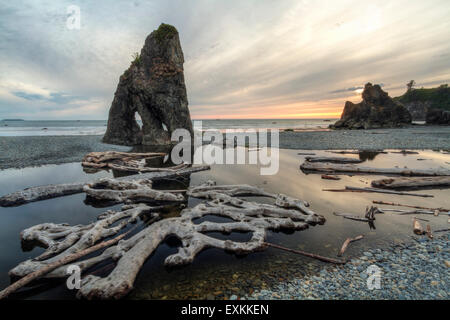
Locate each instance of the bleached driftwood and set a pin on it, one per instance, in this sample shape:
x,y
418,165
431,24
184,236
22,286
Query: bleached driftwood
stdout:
x,y
306,254
368,217
127,162
62,240
108,156
374,190
404,212
417,228
347,242
58,190
40,193
337,168
416,182
134,191
130,254
143,169
351,217
333,159
52,266
410,206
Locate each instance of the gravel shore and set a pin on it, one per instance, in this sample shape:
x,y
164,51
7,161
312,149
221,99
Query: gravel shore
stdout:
x,y
414,137
415,270
19,152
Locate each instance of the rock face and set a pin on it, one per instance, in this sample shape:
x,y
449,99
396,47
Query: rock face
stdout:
x,y
154,87
438,116
418,109
377,110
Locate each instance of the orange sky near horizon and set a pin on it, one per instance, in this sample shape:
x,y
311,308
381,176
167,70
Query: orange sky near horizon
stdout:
x,y
326,109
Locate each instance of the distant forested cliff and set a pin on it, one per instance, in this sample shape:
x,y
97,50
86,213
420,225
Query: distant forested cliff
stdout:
x,y
432,104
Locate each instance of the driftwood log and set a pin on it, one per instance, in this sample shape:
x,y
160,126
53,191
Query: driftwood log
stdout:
x,y
124,161
108,156
129,191
306,254
416,182
417,228
405,152
130,254
409,206
337,168
333,159
40,193
405,212
357,151
351,217
375,190
306,154
329,177
58,190
347,242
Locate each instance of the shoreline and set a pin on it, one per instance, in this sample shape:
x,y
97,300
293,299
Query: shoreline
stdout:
x,y
410,270
28,151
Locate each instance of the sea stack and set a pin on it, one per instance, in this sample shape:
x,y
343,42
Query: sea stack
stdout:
x,y
154,87
377,110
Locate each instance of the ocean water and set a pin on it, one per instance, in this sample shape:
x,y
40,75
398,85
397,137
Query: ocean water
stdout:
x,y
98,127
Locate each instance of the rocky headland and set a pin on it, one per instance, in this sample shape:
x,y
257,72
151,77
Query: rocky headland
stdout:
x,y
428,104
377,110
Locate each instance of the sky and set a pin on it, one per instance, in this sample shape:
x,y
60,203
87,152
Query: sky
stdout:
x,y
243,58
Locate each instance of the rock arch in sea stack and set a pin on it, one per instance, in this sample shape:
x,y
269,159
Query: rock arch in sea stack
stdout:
x,y
154,87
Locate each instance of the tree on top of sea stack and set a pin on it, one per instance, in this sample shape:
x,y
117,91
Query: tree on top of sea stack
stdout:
x,y
377,110
153,86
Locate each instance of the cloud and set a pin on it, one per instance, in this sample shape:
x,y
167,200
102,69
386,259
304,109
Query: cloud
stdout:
x,y
55,97
352,89
243,58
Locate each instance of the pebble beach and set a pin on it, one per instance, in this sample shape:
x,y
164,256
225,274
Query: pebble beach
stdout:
x,y
416,270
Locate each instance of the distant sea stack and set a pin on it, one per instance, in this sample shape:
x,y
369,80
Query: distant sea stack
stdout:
x,y
154,87
377,110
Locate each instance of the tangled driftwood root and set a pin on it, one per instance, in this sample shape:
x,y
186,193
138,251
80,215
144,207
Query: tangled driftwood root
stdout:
x,y
130,254
124,161
59,190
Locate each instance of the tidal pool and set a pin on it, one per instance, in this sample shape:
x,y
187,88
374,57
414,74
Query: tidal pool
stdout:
x,y
214,273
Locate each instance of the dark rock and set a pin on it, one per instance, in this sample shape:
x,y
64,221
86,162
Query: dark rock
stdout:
x,y
377,110
438,116
154,87
418,109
